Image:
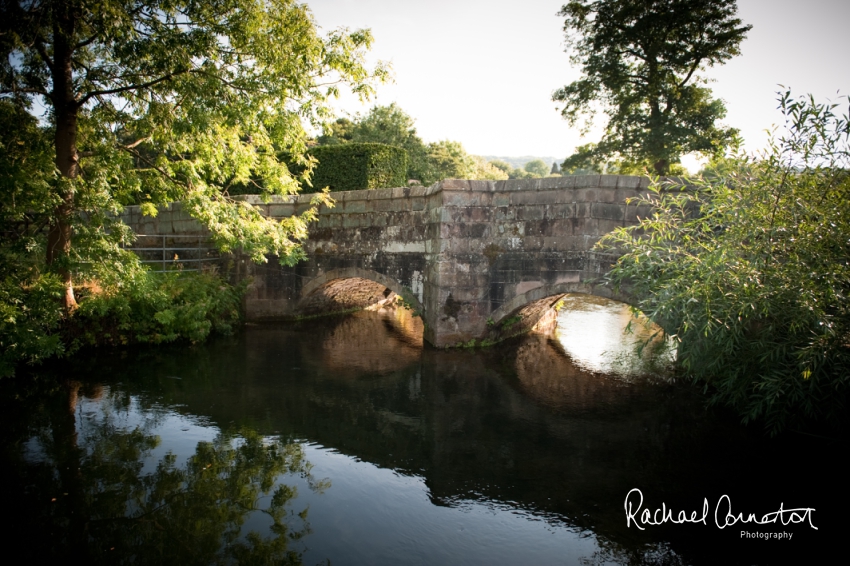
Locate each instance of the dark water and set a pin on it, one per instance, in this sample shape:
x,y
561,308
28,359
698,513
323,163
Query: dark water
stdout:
x,y
343,441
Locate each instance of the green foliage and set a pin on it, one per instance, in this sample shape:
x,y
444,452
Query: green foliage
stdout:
x,y
30,316
136,306
502,166
428,163
449,160
537,167
30,312
388,125
150,102
355,166
521,174
338,131
585,161
26,173
640,60
156,308
748,268
486,171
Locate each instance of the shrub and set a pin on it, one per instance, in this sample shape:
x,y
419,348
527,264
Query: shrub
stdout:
x,y
355,166
156,308
30,316
755,287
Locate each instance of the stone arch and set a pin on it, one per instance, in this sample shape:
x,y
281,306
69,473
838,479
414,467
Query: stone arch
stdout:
x,y
535,307
335,277
542,292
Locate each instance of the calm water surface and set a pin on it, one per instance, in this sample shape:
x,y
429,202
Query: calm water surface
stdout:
x,y
344,441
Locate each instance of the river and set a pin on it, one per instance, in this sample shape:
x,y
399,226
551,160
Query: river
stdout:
x,y
345,441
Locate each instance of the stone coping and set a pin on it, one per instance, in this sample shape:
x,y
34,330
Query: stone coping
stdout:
x,y
453,185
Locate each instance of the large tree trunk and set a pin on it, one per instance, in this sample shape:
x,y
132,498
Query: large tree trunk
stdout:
x,y
655,145
67,160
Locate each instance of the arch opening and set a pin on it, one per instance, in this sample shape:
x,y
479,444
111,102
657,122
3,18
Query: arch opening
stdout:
x,y
599,333
541,292
607,336
345,295
352,290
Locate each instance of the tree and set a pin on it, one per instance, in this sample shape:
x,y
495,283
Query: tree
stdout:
x,y
448,160
748,269
502,165
172,101
640,61
518,173
383,124
29,312
537,168
337,132
386,124
392,126
429,163
486,170
555,169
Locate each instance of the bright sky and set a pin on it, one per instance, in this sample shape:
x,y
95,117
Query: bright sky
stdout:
x,y
482,72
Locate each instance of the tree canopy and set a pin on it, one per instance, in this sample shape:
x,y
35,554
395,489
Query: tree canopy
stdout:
x,y
389,125
641,63
537,167
429,163
156,101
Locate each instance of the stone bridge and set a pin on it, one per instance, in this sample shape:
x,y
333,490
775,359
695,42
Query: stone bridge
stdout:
x,y
479,260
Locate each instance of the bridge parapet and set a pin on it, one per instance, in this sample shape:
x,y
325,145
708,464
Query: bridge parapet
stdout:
x,y
468,255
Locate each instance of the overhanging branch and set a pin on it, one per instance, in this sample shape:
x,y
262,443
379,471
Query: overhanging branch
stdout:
x,y
132,87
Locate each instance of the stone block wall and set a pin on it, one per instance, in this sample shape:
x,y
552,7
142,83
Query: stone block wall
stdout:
x,y
382,235
509,245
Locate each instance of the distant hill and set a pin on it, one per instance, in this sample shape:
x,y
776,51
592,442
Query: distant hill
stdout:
x,y
519,162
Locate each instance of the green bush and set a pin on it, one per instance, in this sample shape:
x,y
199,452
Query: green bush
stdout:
x,y
355,166
155,308
30,317
145,307
755,287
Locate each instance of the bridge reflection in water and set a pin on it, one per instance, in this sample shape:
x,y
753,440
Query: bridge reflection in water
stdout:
x,y
403,454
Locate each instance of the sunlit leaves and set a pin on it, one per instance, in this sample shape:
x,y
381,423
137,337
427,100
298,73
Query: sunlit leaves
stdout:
x,y
181,100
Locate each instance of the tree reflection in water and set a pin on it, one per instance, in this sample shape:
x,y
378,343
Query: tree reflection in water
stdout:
x,y
104,507
509,455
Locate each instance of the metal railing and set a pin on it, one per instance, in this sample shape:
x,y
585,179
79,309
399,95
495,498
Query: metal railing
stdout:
x,y
172,252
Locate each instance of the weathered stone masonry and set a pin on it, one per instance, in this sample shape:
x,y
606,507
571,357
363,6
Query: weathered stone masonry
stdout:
x,y
478,259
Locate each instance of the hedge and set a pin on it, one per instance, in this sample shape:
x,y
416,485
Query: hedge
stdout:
x,y
355,166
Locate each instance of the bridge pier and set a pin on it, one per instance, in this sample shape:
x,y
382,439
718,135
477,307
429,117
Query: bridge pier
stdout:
x,y
478,260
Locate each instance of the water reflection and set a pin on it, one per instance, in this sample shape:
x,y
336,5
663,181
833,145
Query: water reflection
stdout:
x,y
503,456
367,342
547,374
602,336
95,488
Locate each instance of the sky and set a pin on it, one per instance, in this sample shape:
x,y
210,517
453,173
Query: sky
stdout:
x,y
482,72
